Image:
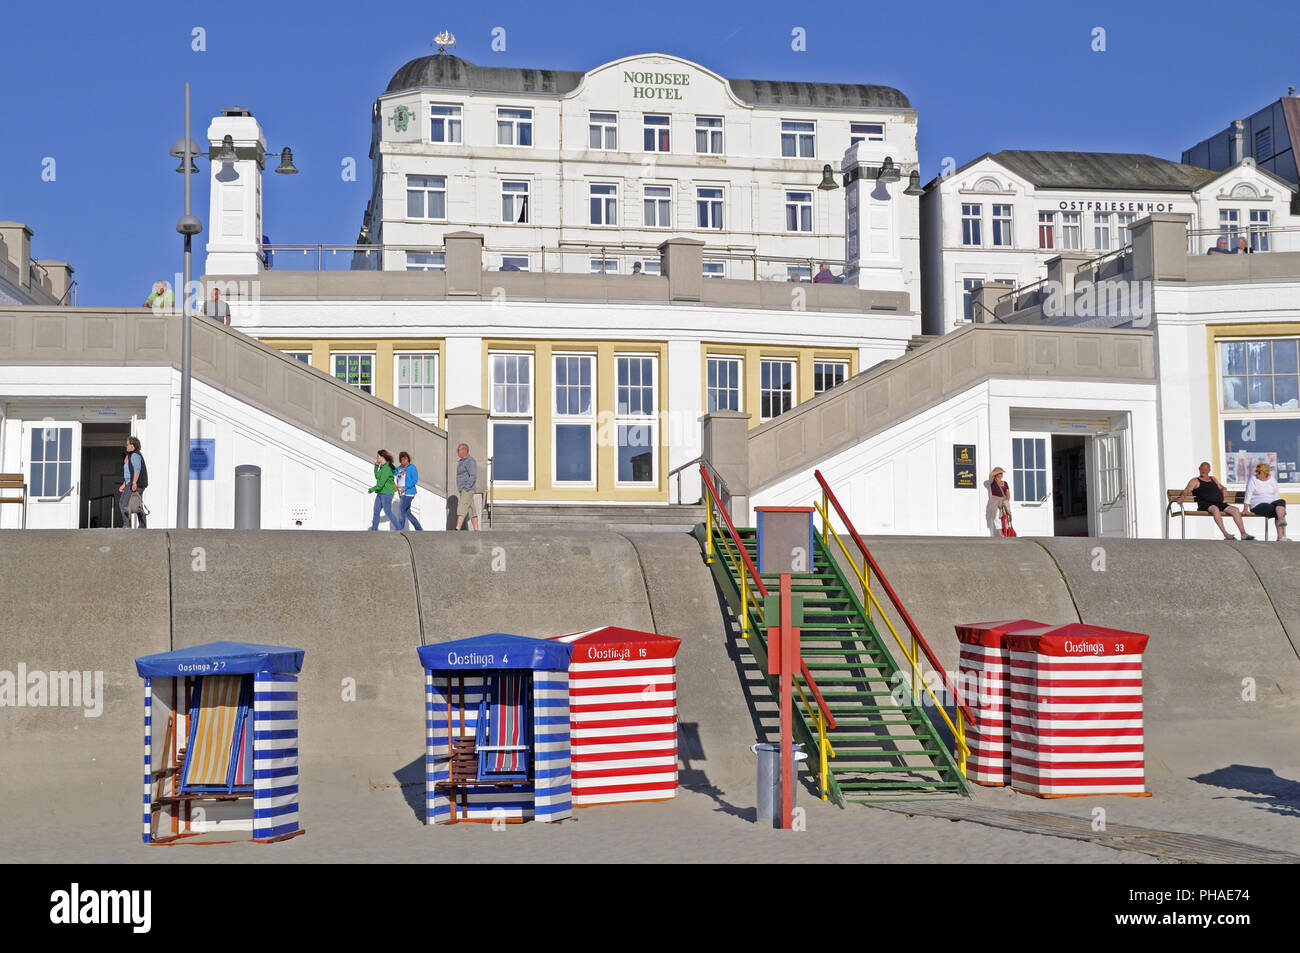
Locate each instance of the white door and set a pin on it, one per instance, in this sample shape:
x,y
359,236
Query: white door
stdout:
x,y
52,449
1109,485
1031,483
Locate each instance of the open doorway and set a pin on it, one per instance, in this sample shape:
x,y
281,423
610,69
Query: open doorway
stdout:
x,y
1069,485
102,446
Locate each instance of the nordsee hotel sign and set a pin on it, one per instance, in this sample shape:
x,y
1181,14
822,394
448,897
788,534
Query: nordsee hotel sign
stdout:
x,y
652,85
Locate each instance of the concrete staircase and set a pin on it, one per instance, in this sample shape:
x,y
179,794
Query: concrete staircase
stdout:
x,y
664,518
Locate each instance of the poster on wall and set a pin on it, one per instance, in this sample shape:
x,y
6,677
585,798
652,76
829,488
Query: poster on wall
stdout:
x,y
1247,442
964,476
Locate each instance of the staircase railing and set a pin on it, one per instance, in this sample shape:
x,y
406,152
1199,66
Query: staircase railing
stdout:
x,y
752,593
918,646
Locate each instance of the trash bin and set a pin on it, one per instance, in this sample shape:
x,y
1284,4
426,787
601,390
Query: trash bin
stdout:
x,y
769,778
1076,711
983,673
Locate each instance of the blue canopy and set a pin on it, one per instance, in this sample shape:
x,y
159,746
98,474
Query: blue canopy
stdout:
x,y
222,658
496,651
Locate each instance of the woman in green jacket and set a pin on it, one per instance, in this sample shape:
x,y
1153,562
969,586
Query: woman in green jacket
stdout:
x,y
383,488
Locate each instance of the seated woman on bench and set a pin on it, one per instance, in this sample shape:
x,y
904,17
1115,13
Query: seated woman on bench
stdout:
x,y
1262,498
1208,493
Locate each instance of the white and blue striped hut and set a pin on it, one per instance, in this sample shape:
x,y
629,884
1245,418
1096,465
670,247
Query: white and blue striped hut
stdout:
x,y
497,729
227,758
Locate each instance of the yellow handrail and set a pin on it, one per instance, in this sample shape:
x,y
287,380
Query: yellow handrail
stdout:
x,y
913,657
824,749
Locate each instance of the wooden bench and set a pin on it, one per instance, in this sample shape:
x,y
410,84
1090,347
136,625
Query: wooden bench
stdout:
x,y
10,482
1188,508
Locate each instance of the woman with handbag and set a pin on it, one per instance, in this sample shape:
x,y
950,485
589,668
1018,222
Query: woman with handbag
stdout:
x,y
135,478
998,510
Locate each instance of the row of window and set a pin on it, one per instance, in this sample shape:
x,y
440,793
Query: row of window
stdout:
x,y
1064,230
515,128
437,261
426,200
573,411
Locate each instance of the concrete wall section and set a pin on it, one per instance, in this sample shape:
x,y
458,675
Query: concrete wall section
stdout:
x,y
78,603
1212,623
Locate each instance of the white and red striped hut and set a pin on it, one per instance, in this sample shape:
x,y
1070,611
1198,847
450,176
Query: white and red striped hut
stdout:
x,y
622,715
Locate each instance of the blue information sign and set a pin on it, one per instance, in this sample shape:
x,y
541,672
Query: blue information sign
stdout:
x,y
203,458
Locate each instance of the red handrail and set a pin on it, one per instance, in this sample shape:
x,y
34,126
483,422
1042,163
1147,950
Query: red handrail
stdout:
x,y
758,583
893,597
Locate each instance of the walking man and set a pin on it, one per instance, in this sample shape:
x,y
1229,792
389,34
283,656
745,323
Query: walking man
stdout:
x,y
466,481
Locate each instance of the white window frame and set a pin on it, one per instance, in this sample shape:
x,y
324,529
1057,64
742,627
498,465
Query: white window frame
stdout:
x,y
426,191
346,355
1001,231
711,391
433,385
702,125
713,268
829,362
298,356
1019,475
1047,220
798,136
1103,235
431,261
1071,228
652,266
449,121
656,123
969,285
972,214
515,195
624,418
793,363
658,206
516,123
865,134
1123,237
608,204
521,262
603,266
721,203
802,272
1261,220
606,126
513,417
559,419
803,211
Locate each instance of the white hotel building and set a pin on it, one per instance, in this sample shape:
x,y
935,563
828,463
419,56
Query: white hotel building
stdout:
x,y
590,172
1000,218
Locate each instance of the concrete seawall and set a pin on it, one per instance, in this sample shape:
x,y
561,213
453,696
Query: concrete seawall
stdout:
x,y
361,603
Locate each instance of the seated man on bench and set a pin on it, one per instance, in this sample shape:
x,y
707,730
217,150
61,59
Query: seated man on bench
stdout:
x,y
1208,493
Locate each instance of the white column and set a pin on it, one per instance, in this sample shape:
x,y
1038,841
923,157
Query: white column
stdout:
x,y
234,225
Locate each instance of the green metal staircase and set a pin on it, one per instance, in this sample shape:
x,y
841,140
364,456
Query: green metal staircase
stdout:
x,y
885,745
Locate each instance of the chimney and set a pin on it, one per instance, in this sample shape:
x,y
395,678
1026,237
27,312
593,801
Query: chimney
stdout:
x,y
59,274
17,239
1237,151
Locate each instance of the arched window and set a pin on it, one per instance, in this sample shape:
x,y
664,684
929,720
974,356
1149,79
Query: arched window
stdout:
x,y
1244,190
988,184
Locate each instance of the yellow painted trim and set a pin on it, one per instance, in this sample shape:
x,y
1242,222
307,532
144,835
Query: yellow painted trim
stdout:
x,y
1214,333
322,350
753,354
543,487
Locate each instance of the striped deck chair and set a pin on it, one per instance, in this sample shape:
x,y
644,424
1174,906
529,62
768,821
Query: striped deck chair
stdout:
x,y
503,730
218,753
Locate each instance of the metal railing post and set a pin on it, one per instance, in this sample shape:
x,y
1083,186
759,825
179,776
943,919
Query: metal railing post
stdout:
x,y
708,530
744,602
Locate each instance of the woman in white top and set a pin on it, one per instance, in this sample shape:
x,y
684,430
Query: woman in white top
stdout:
x,y
1262,498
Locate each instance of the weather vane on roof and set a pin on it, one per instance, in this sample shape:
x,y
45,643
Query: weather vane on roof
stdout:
x,y
444,40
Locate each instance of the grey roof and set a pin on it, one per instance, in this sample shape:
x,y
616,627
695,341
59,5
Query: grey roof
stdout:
x,y
444,71
1102,170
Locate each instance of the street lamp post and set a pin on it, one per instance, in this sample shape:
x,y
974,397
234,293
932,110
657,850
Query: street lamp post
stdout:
x,y
189,226
188,150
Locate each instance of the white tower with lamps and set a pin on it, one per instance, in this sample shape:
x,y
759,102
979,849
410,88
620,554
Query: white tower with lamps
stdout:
x,y
235,199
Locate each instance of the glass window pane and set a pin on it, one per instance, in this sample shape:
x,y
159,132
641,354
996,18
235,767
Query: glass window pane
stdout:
x,y
635,454
573,453
1018,492
1234,357
1017,454
414,204
1284,357
510,452
1259,357
1261,393
1042,485
1234,392
1286,393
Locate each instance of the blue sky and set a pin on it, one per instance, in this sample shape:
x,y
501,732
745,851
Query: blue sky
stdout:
x,y
98,88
